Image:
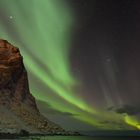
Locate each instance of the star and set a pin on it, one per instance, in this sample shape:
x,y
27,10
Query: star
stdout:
x,y
11,17
108,59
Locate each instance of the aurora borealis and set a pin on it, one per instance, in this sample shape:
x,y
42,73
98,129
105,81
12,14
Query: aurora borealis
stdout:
x,y
78,57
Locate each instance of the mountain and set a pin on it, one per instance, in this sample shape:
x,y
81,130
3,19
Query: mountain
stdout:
x,y
18,109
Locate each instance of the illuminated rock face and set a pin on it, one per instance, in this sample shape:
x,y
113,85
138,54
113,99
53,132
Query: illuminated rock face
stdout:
x,y
18,109
13,76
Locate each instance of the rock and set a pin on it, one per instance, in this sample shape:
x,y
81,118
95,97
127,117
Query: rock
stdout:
x,y
18,109
23,132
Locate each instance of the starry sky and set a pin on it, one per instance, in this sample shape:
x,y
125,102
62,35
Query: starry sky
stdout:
x,y
82,59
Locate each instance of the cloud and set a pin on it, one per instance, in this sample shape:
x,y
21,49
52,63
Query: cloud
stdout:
x,y
110,108
126,109
118,124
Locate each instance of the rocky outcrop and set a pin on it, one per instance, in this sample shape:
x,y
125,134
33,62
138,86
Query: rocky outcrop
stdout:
x,y
13,77
18,109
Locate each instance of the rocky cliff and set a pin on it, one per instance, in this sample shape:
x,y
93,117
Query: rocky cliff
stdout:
x,y
18,109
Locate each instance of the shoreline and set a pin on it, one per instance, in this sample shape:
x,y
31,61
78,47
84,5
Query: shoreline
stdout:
x,y
16,135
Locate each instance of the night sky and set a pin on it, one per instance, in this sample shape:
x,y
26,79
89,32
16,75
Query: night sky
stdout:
x,y
82,58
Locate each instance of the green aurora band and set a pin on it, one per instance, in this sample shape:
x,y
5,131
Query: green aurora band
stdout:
x,y
42,30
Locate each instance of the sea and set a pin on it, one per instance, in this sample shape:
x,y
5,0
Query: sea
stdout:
x,y
77,138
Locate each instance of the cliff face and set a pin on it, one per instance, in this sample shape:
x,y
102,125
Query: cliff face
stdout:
x,y
13,77
18,109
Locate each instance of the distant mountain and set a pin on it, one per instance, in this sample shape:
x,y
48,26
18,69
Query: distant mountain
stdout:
x,y
18,110
111,133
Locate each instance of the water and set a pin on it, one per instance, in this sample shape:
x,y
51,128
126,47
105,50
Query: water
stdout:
x,y
76,138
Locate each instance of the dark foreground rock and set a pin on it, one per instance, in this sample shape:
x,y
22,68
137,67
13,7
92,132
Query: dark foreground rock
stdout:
x,y
27,135
18,110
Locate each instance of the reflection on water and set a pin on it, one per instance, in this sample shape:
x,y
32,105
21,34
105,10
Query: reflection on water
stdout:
x,y
77,138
